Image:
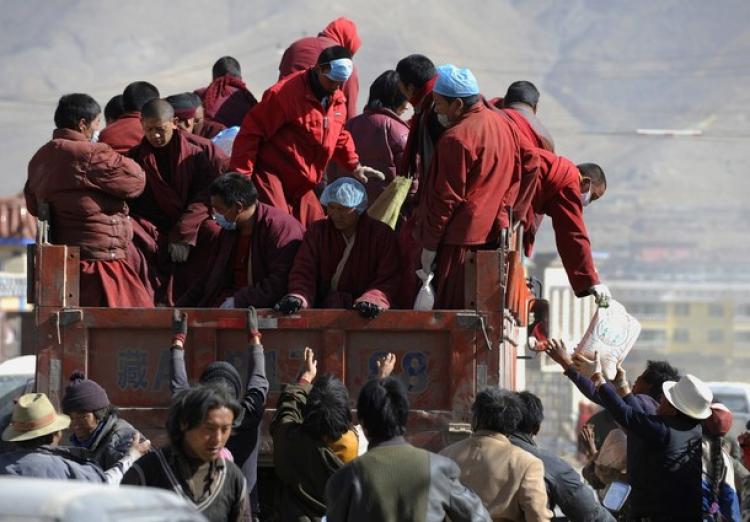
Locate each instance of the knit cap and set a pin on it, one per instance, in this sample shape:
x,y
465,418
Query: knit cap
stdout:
x,y
83,394
221,372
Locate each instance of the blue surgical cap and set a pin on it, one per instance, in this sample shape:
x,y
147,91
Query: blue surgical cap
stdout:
x,y
347,192
454,82
341,69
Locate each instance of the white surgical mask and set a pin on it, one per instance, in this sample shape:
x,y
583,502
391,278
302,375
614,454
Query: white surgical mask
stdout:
x,y
224,222
586,198
444,121
95,136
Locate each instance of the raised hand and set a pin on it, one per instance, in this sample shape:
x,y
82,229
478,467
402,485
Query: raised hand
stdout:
x,y
386,364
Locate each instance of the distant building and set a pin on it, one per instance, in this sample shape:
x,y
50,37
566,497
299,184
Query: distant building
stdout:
x,y
17,230
703,328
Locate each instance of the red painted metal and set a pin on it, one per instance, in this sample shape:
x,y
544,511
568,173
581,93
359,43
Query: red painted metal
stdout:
x,y
444,356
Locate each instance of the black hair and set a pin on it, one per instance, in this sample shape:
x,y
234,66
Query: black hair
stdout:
x,y
137,94
197,101
157,109
72,108
496,410
226,65
594,172
532,413
233,188
190,408
656,374
335,52
384,92
184,100
717,469
34,443
103,413
522,92
114,109
326,414
416,70
383,409
469,101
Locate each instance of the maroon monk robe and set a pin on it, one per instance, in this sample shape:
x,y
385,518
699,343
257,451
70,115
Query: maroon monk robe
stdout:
x,y
559,196
372,272
208,128
216,157
174,208
475,168
527,122
124,133
86,185
275,238
424,131
227,100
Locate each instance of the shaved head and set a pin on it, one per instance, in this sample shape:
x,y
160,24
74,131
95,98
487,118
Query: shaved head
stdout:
x,y
594,172
157,109
157,119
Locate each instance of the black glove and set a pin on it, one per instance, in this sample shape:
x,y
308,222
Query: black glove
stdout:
x,y
288,304
252,322
179,326
367,310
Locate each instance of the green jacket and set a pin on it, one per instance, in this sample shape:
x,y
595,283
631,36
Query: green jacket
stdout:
x,y
303,464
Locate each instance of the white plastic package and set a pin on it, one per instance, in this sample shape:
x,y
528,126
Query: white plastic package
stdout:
x,y
425,300
612,333
225,139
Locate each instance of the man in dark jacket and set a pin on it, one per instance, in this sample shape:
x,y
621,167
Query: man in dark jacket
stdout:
x,y
243,443
666,474
312,439
254,253
94,422
34,435
565,488
394,480
192,466
85,185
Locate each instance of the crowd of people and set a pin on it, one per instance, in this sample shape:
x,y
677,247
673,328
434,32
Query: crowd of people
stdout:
x,y
212,198
285,219
662,438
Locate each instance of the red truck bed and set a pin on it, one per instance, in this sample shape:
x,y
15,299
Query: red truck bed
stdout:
x,y
444,356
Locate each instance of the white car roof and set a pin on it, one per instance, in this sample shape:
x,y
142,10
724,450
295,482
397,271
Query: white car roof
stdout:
x,y
78,500
24,365
729,387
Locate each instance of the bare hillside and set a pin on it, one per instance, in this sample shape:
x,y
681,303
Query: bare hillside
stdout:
x,y
605,69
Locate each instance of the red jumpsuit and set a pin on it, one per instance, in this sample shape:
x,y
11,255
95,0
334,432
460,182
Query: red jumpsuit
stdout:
x,y
287,140
558,195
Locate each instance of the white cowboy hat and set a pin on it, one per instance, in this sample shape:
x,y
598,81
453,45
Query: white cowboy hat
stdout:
x,y
689,395
34,416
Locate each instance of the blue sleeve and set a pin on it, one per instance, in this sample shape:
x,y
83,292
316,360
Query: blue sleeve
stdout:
x,y
649,427
729,502
631,401
584,384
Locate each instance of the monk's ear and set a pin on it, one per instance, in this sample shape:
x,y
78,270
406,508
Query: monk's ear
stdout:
x,y
82,125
